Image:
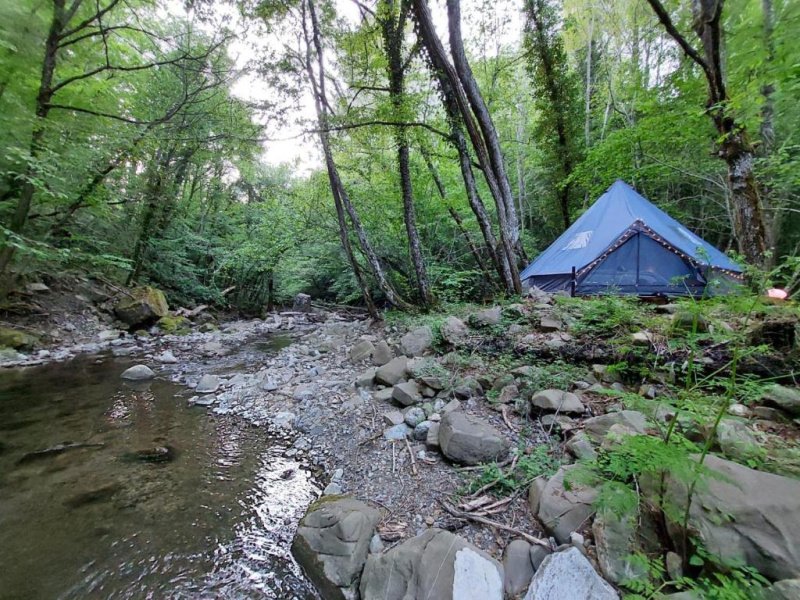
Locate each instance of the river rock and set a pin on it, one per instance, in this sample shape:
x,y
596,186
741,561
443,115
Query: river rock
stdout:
x,y
517,567
615,538
785,398
561,510
144,306
392,372
208,384
138,373
737,441
436,564
302,303
580,447
556,400
597,427
469,441
167,357
486,318
568,575
407,393
422,429
361,351
454,331
413,416
382,354
417,341
743,515
788,589
393,417
397,433
332,542
367,378
19,340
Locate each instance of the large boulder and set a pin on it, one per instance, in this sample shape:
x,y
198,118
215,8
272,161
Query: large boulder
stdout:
x,y
562,508
557,401
454,331
19,340
417,341
469,441
144,305
436,564
743,515
569,575
332,542
392,372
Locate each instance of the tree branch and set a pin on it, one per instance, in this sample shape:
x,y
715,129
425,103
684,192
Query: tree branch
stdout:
x,y
676,35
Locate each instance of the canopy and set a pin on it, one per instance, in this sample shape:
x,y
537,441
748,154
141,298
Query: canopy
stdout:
x,y
625,244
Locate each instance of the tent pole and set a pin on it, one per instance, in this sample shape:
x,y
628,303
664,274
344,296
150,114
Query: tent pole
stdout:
x,y
573,284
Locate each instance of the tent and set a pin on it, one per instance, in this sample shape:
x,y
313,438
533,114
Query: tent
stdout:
x,y
625,245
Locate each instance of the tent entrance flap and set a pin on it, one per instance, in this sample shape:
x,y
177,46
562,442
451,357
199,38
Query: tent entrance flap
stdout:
x,y
642,266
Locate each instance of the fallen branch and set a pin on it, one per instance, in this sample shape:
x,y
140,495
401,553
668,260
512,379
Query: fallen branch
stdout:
x,y
413,460
504,413
484,521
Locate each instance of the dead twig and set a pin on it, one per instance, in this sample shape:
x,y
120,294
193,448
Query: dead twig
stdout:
x,y
484,521
504,413
413,460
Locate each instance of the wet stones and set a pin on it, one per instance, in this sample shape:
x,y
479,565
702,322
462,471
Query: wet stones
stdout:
x,y
332,542
138,373
469,441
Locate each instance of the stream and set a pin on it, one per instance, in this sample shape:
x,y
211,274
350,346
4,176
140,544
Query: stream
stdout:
x,y
112,490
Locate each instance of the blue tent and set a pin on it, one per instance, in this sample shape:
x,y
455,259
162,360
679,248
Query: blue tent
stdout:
x,y
625,245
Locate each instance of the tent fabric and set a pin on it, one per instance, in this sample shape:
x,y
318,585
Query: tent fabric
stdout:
x,y
625,242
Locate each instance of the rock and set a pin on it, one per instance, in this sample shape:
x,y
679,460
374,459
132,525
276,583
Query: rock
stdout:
x,y
580,447
538,554
432,437
486,318
302,303
175,325
517,567
568,575
743,515
454,331
413,416
208,384
785,398
304,392
284,420
167,358
561,510
37,287
468,387
397,432
19,340
332,489
508,394
435,383
605,374
687,321
383,395
615,538
382,354
547,324
468,441
558,424
144,306
422,429
737,441
367,378
406,393
435,565
788,589
331,545
642,338
556,400
454,404
674,564
392,372
515,311
361,351
739,410
597,427
417,341
393,417
138,373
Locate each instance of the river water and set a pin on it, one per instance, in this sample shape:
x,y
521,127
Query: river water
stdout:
x,y
109,490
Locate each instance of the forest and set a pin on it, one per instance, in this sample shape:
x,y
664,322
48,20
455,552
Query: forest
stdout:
x,y
389,154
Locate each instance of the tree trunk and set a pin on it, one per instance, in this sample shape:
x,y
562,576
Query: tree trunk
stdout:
x,y
393,31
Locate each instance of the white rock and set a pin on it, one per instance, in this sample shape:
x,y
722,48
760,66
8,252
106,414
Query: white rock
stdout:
x,y
208,384
167,357
138,373
475,578
569,575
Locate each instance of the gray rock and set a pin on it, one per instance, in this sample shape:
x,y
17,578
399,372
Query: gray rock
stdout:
x,y
208,384
406,393
556,400
580,447
304,392
788,589
616,542
393,417
454,404
383,395
642,338
538,554
397,432
361,351
508,394
518,568
561,510
302,303
785,398
417,341
413,416
469,441
435,383
331,545
435,565
376,544
743,515
367,378
674,564
568,575
468,387
454,331
332,489
138,373
487,318
597,427
558,424
550,324
422,429
737,441
167,358
382,354
432,438
392,372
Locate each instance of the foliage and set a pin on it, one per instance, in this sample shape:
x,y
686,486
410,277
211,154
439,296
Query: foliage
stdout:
x,y
539,462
